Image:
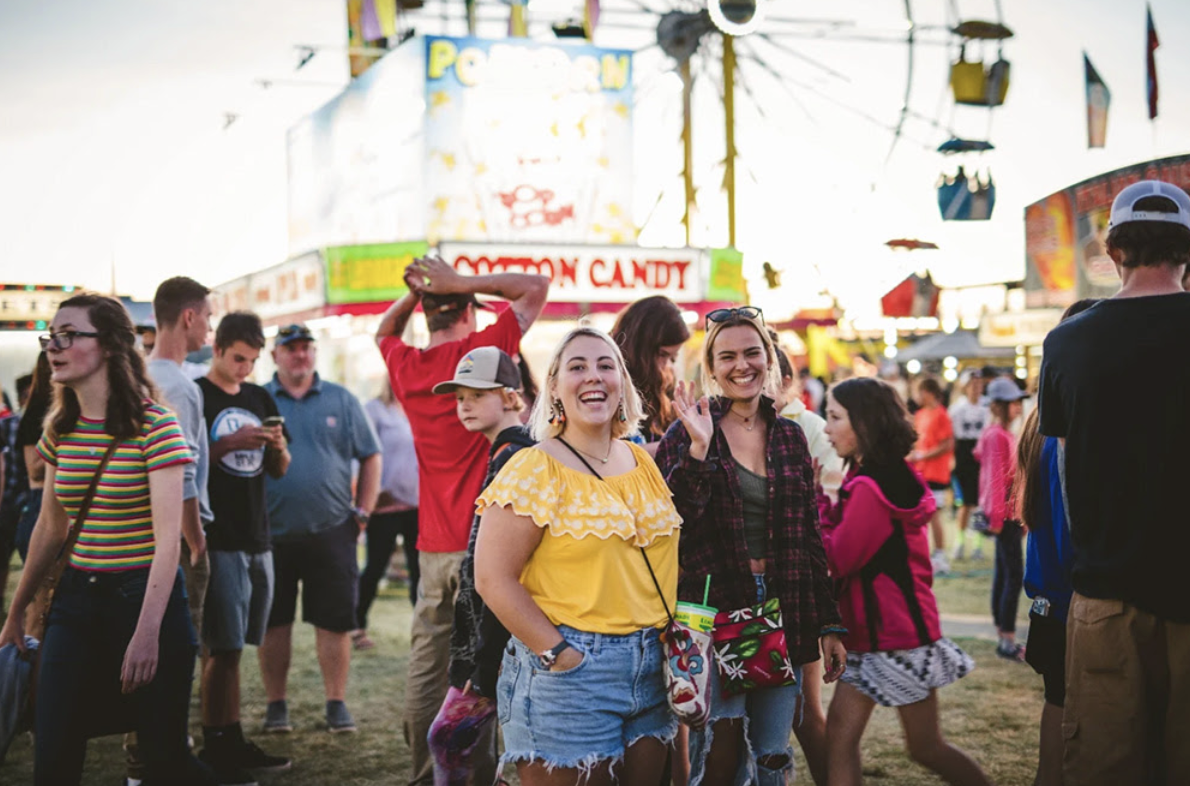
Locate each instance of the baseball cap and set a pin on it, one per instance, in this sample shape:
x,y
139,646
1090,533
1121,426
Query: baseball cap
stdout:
x,y
438,304
483,368
291,333
1004,389
1123,210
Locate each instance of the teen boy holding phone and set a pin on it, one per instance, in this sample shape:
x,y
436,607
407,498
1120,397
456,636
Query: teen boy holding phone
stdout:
x,y
247,439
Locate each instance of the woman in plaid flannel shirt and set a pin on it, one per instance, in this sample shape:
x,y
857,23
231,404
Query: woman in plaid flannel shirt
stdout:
x,y
743,483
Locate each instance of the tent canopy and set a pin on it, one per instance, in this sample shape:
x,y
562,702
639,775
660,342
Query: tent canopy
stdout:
x,y
961,344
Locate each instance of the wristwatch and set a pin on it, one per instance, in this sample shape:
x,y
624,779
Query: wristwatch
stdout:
x,y
550,657
361,515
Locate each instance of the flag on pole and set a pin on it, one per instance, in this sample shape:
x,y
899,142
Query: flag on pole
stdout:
x,y
471,17
386,15
518,26
1151,44
1098,102
590,18
370,22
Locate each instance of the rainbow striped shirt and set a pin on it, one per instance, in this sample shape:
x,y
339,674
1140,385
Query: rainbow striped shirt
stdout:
x,y
118,532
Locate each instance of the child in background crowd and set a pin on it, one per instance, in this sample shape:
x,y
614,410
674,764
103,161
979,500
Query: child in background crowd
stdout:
x,y
485,390
878,552
996,454
968,417
932,458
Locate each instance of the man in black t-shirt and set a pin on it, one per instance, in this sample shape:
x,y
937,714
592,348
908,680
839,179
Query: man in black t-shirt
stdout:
x,y
244,445
1127,712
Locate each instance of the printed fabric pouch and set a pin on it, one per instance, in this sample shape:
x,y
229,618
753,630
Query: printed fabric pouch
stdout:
x,y
687,673
750,649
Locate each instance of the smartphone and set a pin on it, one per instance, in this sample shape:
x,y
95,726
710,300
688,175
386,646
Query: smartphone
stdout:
x,y
273,420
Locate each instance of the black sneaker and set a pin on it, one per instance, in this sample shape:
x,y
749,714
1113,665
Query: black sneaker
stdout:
x,y
227,772
251,757
1013,652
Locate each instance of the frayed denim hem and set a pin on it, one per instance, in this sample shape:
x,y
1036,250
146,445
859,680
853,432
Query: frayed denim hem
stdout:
x,y
665,736
585,766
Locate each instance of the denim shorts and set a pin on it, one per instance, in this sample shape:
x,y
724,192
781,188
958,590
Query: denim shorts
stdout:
x,y
591,713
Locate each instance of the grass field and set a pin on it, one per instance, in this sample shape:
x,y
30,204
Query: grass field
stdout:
x,y
992,713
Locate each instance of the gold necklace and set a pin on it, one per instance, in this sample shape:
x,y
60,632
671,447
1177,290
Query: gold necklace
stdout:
x,y
743,418
603,460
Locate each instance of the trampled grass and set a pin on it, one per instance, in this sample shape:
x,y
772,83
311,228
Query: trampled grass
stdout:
x,y
992,713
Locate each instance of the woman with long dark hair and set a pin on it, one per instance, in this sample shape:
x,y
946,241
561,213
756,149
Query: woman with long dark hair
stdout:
x,y
119,623
877,544
650,334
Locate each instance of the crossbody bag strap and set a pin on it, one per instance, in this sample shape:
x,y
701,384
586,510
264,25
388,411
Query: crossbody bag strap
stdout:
x,y
648,564
84,509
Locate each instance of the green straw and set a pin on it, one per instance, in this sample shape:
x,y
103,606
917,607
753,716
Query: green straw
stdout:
x,y
706,593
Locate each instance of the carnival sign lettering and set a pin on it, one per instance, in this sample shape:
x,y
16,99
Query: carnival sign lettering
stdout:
x,y
589,274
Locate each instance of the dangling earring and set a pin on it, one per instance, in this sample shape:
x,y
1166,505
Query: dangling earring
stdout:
x,y
558,414
623,414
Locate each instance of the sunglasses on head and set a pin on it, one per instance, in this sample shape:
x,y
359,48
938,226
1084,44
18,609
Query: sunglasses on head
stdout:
x,y
728,314
293,330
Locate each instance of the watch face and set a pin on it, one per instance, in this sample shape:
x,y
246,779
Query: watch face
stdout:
x,y
548,658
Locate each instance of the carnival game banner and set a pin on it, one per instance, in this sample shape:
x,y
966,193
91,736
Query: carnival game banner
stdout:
x,y
1066,232
527,141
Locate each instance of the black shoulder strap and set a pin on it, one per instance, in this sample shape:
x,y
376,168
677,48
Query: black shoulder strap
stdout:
x,y
648,564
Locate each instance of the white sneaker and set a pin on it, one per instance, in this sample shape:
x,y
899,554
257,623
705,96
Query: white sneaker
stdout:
x,y
132,782
959,554
939,562
977,555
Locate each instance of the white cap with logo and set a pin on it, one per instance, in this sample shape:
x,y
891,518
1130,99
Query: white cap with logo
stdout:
x,y
1123,208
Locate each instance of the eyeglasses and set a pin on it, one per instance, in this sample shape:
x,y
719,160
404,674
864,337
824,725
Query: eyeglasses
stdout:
x,y
64,339
728,314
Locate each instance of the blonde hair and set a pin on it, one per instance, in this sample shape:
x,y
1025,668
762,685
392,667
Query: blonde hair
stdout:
x,y
772,383
540,426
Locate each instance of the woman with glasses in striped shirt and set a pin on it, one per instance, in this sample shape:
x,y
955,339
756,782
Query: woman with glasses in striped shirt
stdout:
x,y
119,648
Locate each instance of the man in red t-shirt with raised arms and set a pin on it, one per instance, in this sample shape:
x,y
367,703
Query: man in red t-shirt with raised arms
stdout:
x,y
451,460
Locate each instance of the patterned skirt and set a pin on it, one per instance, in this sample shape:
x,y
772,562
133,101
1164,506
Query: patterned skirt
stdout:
x,y
899,677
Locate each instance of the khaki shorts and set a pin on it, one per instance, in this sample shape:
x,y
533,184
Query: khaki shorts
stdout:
x,y
1127,713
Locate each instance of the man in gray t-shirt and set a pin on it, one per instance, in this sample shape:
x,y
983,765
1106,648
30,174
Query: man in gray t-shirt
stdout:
x,y
183,313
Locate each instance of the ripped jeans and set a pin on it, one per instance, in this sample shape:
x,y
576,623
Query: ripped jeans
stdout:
x,y
768,715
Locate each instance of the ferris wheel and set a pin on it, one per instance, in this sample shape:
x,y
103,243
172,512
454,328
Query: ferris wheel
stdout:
x,y
871,84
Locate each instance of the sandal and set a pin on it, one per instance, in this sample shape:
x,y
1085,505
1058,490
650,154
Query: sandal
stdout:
x,y
361,642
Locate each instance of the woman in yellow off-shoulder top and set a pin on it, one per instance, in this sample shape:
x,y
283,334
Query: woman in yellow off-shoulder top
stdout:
x,y
558,559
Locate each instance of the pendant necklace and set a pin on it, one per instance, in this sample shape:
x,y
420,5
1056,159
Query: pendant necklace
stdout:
x,y
747,426
605,459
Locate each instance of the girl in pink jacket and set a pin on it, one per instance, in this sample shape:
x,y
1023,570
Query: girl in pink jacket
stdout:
x,y
996,453
878,551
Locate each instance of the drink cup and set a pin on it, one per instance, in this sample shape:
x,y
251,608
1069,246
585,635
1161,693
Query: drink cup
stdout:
x,y
695,616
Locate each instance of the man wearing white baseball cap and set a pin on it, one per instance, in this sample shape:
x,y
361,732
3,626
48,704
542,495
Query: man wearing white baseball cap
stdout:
x,y
1127,713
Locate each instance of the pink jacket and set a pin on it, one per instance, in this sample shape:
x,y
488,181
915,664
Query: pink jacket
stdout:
x,y
879,556
996,453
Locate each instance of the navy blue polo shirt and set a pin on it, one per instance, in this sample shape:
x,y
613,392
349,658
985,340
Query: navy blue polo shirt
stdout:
x,y
327,428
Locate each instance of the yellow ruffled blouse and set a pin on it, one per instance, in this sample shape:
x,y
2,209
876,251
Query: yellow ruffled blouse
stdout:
x,y
588,572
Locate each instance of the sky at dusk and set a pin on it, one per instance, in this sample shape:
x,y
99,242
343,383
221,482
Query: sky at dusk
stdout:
x,y
116,149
